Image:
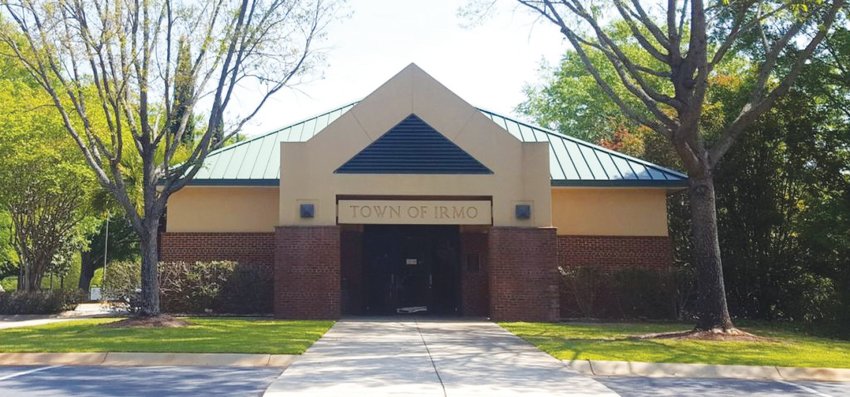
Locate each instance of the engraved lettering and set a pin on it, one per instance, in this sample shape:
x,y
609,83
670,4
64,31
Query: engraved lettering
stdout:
x,y
380,210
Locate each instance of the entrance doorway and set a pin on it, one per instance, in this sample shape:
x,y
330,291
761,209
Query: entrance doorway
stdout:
x,y
409,268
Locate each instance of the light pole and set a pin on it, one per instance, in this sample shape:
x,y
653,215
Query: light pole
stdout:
x,y
105,252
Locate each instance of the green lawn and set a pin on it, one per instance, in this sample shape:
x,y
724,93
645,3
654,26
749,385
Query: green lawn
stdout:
x,y
788,347
203,335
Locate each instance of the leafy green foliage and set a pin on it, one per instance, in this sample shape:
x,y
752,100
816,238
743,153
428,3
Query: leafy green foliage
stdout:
x,y
569,100
783,190
46,182
184,91
122,282
626,293
199,287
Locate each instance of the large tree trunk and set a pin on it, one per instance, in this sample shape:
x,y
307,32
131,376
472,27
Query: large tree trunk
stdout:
x,y
712,312
29,279
150,259
87,267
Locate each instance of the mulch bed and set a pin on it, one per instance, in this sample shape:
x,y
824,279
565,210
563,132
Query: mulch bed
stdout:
x,y
733,335
163,321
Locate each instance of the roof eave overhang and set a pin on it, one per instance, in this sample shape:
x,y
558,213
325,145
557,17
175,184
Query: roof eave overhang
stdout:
x,y
668,184
234,182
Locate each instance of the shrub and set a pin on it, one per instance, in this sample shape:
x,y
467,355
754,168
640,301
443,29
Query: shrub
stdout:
x,y
39,302
644,293
582,283
813,298
199,287
248,290
625,293
122,282
192,287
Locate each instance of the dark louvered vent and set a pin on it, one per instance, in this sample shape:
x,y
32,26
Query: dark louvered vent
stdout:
x,y
413,147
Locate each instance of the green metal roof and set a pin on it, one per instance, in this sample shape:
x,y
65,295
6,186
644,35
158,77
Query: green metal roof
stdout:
x,y
256,161
572,162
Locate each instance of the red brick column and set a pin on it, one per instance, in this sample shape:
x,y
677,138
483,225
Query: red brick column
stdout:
x,y
307,272
474,282
523,274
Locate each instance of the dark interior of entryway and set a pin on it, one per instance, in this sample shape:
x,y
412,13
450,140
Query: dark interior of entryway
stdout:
x,y
403,266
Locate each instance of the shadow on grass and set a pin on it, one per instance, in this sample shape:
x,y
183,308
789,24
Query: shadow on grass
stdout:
x,y
617,342
203,335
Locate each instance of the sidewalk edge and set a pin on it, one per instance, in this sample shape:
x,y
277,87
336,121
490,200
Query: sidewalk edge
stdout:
x,y
150,359
630,368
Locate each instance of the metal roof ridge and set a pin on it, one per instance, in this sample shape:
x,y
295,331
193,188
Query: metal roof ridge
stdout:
x,y
266,134
588,144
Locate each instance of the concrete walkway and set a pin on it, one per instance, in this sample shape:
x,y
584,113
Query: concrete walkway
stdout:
x,y
83,310
410,357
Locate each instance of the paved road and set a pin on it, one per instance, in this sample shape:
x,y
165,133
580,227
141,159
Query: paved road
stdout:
x,y
134,381
206,381
645,387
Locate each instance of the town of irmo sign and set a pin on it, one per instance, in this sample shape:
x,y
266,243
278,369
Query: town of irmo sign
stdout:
x,y
416,212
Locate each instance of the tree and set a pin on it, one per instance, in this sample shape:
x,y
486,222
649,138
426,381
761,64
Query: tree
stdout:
x,y
44,181
184,90
689,39
117,60
121,244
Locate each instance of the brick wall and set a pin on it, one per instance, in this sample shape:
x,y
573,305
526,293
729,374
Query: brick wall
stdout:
x,y
475,297
245,248
307,272
615,252
608,254
523,274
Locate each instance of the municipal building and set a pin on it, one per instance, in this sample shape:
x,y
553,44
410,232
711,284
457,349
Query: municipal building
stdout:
x,y
412,199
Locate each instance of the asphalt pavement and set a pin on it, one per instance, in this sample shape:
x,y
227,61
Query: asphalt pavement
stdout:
x,y
65,381
646,387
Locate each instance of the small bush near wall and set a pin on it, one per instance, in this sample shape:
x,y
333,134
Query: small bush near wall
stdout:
x,y
248,290
626,293
38,302
200,287
122,282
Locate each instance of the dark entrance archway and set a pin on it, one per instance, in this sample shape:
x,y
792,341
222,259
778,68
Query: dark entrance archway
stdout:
x,y
410,266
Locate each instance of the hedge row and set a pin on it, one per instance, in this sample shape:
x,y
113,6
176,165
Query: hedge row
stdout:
x,y
626,293
38,302
200,287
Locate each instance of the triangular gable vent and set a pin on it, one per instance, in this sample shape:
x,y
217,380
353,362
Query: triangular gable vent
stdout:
x,y
413,147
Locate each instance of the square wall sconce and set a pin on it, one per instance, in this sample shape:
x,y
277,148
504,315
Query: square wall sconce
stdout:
x,y
523,211
307,210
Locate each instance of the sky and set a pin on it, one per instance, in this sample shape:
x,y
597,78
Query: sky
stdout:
x,y
487,64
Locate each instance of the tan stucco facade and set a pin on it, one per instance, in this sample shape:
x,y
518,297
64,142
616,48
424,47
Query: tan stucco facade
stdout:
x,y
575,211
609,212
520,176
223,209
520,170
